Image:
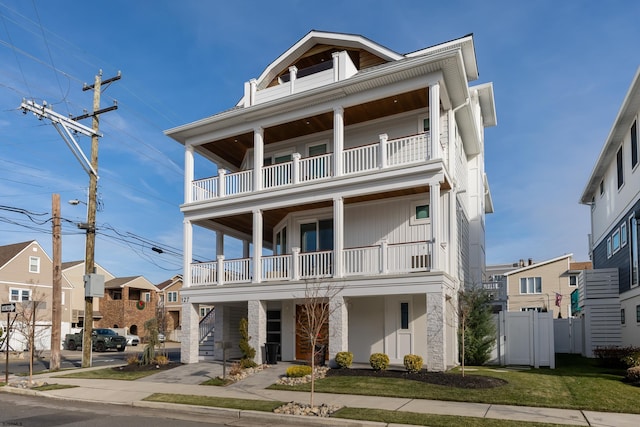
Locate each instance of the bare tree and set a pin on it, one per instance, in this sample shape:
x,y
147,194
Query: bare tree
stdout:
x,y
313,321
30,324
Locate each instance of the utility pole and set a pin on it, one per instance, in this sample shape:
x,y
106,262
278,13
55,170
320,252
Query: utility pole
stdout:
x,y
89,264
56,306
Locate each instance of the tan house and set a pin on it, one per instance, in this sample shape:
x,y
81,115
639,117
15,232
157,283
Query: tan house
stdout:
x,y
74,272
128,303
26,274
544,286
170,307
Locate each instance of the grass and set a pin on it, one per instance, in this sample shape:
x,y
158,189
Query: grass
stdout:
x,y
109,374
576,383
395,417
217,381
48,387
217,402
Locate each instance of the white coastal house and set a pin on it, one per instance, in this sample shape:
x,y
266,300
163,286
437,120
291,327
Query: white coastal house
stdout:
x,y
613,194
350,166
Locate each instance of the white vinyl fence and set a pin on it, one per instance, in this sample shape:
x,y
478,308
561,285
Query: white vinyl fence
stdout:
x,y
524,338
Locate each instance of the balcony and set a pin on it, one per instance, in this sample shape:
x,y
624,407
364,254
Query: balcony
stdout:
x,y
362,261
387,153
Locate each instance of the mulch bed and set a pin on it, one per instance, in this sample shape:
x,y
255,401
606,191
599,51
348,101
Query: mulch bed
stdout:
x,y
134,367
439,378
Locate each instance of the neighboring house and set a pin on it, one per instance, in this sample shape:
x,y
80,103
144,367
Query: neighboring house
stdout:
x,y
345,164
128,303
544,286
613,194
170,307
74,272
26,275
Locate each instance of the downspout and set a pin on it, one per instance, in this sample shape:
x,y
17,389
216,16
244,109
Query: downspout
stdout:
x,y
466,102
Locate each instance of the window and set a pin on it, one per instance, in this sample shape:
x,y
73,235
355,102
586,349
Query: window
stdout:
x,y
404,315
623,234
622,317
117,295
172,296
619,168
426,126
633,249
17,295
204,311
634,145
420,213
281,241
602,187
538,309
637,313
316,236
34,264
615,241
147,296
531,285
573,280
609,248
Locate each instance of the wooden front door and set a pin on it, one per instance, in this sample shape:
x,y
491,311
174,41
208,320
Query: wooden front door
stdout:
x,y
303,345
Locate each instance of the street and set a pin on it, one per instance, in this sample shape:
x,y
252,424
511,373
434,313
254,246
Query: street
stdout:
x,y
30,411
73,359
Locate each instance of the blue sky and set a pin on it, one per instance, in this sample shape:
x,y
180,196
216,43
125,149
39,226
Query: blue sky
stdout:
x,y
560,71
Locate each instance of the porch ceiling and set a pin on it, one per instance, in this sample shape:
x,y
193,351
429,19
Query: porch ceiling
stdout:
x,y
233,149
243,223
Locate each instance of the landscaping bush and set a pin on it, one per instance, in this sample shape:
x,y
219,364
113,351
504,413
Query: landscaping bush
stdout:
x,y
298,371
344,359
133,359
632,360
413,362
248,352
614,357
379,361
161,360
633,375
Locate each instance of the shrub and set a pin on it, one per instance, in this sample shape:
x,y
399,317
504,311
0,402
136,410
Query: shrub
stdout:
x,y
632,360
413,362
633,375
614,357
248,352
133,359
161,360
379,361
344,359
235,369
298,371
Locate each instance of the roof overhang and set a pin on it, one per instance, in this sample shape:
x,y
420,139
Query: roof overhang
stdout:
x,y
627,113
488,200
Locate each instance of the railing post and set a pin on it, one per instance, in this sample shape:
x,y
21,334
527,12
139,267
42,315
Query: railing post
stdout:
x,y
382,147
221,182
293,75
295,263
220,268
384,247
295,168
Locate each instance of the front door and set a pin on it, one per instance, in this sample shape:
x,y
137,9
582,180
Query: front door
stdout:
x,y
303,344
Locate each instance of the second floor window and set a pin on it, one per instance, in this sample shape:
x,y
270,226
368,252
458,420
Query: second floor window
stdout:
x,y
620,168
634,145
17,295
573,280
172,296
531,285
34,264
147,296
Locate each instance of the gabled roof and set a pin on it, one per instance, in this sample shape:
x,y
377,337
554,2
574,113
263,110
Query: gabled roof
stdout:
x,y
69,264
169,282
538,264
9,252
121,282
621,125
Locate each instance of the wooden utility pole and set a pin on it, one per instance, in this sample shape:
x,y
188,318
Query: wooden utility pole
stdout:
x,y
56,305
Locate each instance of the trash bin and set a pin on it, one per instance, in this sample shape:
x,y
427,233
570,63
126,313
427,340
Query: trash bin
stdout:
x,y
320,354
271,348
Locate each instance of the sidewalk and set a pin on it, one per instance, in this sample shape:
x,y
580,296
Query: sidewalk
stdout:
x,y
185,379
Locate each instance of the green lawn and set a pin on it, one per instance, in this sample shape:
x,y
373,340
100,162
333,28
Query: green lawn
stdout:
x,y
109,374
216,402
576,383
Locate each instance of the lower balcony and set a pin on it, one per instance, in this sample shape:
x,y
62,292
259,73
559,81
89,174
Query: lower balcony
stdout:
x,y
362,261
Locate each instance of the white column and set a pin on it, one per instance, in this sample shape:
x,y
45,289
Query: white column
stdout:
x,y
434,214
257,245
190,340
188,173
220,270
434,119
257,327
338,327
222,182
187,254
338,140
293,75
436,328
258,158
338,236
295,168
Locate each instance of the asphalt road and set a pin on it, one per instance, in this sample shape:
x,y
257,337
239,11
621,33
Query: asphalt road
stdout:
x,y
30,411
71,359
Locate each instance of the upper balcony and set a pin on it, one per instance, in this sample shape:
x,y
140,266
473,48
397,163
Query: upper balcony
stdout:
x,y
387,153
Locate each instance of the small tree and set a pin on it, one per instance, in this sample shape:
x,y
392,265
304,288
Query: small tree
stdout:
x,y
248,352
477,328
29,318
149,352
315,311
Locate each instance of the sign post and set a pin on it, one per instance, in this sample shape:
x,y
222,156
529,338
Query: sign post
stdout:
x,y
7,308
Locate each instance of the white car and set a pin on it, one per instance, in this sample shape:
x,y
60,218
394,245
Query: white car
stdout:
x,y
133,340
160,337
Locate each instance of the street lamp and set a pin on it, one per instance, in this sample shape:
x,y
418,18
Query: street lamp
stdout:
x,y
76,202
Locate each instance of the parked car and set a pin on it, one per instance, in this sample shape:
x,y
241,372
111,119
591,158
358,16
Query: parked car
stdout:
x,y
133,339
161,337
102,339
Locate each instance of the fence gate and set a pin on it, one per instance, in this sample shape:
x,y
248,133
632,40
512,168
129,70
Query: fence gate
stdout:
x,y
526,338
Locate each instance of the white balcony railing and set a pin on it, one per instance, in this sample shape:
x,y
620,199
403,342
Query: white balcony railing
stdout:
x,y
387,153
363,261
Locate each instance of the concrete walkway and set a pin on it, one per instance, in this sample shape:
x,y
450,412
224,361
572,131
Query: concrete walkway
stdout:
x,y
186,379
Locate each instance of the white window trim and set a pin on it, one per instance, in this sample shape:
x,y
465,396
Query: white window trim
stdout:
x,y
20,291
415,221
534,285
315,144
613,241
35,259
623,235
146,296
609,248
